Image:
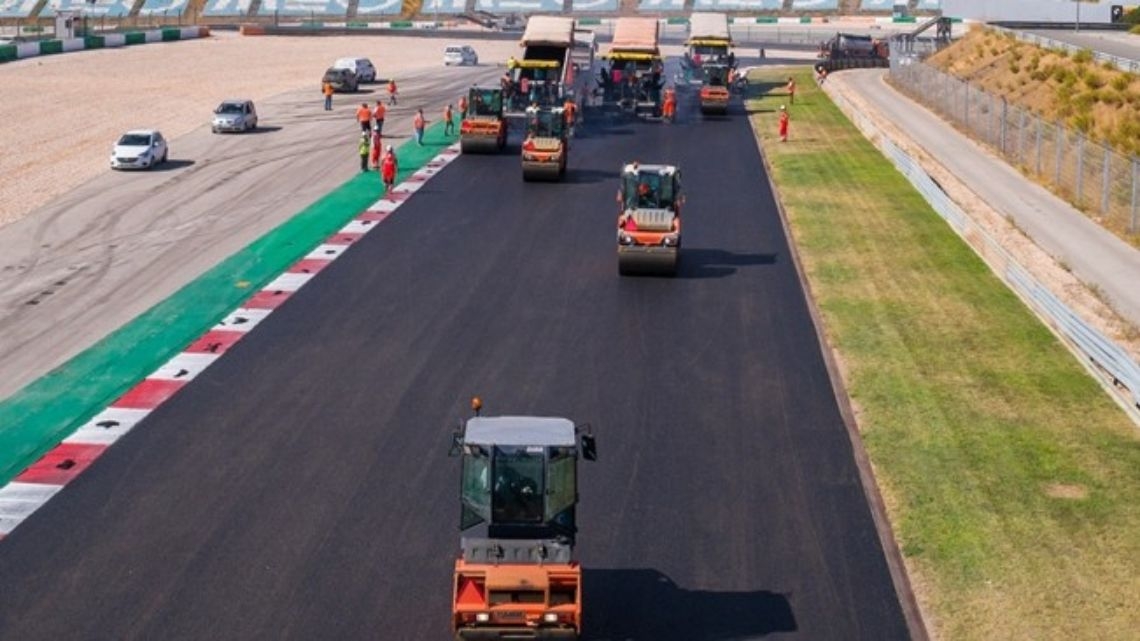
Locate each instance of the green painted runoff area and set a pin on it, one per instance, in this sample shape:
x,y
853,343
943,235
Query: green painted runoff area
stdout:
x,y
35,419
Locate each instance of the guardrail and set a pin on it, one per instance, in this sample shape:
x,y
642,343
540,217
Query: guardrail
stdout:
x,y
1104,358
1124,64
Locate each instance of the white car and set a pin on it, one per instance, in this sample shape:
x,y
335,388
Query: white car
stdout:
x,y
362,67
234,115
139,149
460,55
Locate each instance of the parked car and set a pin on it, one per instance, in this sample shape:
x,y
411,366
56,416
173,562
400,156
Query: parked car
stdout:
x,y
342,80
139,149
460,55
362,67
234,115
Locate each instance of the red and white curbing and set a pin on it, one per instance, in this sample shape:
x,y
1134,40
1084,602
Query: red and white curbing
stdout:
x,y
47,476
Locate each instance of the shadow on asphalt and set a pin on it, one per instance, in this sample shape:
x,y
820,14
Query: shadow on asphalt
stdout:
x,y
590,176
261,129
645,605
717,263
172,165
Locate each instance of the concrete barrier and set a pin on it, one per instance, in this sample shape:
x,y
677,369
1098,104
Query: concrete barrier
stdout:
x,y
23,50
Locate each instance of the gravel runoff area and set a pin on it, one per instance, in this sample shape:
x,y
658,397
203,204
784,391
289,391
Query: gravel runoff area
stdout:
x,y
63,113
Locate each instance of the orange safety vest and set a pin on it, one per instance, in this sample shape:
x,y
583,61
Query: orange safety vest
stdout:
x,y
418,122
391,86
447,113
388,167
362,114
327,89
463,104
379,111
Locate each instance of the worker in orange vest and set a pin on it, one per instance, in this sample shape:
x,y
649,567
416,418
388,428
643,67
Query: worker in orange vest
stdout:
x,y
327,90
392,91
669,106
448,124
364,117
783,123
378,117
791,90
418,124
388,168
462,108
570,115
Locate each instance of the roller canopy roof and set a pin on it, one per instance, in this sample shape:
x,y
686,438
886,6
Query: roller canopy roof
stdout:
x,y
519,431
548,30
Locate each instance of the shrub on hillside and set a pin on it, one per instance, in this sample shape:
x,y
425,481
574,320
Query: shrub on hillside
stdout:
x,y
1082,56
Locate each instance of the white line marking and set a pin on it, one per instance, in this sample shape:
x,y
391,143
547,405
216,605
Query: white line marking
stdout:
x,y
107,426
19,500
242,319
326,251
357,227
184,367
287,282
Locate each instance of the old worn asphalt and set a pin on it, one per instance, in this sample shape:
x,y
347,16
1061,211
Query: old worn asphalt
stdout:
x,y
300,488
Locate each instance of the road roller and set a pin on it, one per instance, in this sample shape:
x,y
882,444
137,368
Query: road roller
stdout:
x,y
546,145
714,89
516,576
484,130
649,219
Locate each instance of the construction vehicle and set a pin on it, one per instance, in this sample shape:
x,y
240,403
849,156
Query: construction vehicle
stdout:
x,y
635,75
547,73
715,92
519,482
484,130
853,51
546,146
709,42
649,219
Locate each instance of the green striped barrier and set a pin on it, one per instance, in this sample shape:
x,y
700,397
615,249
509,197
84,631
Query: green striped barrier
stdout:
x,y
590,21
767,20
312,24
904,19
134,38
94,42
7,53
170,35
50,46
357,24
677,20
805,19
400,24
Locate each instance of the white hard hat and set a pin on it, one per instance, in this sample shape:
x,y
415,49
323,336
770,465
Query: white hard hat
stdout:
x,y
389,147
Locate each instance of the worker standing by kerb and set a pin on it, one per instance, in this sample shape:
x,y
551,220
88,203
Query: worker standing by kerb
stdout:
x,y
791,90
364,117
783,123
378,117
462,108
392,97
388,168
570,113
448,123
669,105
327,90
418,124
363,147
377,141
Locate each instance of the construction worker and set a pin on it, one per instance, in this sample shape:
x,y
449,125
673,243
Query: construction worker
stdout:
x,y
462,108
448,123
512,63
570,115
378,117
392,91
669,105
791,90
376,143
418,124
327,90
783,123
364,117
389,166
363,147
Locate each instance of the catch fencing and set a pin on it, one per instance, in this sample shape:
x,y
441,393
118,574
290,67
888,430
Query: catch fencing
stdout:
x,y
1124,64
1091,175
1104,358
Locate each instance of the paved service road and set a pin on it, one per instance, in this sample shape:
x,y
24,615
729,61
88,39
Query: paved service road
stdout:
x,y
1113,43
116,246
300,488
1093,254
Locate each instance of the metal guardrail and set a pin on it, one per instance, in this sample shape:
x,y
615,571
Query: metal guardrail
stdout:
x,y
1097,352
1124,64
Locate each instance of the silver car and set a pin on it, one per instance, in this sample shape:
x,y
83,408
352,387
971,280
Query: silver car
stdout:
x,y
234,115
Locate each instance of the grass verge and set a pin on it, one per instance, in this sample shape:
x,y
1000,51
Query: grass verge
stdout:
x,y
1012,481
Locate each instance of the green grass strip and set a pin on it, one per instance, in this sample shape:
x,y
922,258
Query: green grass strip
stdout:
x,y
1011,479
43,413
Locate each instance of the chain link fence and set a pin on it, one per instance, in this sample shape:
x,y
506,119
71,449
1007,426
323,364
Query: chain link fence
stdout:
x,y
1094,177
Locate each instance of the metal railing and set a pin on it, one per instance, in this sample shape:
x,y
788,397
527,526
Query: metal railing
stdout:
x,y
1124,64
1097,352
1091,175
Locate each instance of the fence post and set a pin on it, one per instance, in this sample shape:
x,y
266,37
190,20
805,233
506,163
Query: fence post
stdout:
x,y
1060,143
1135,179
1105,186
966,103
1001,129
1021,136
1080,166
1039,124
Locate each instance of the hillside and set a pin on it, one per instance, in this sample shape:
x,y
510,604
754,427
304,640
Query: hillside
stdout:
x,y
1098,100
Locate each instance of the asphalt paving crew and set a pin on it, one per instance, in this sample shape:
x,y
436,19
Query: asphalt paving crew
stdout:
x,y
462,108
378,117
388,168
364,117
363,148
392,91
448,122
783,123
327,90
418,124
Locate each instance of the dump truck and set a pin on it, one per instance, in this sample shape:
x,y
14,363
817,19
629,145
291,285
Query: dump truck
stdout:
x,y
845,46
517,577
649,219
546,146
715,92
547,74
484,130
635,75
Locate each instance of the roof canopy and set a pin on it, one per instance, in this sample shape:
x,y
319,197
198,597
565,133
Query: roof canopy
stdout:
x,y
519,431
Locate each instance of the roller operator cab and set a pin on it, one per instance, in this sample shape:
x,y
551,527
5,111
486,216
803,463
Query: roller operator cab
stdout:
x,y
546,146
649,219
483,130
715,89
519,484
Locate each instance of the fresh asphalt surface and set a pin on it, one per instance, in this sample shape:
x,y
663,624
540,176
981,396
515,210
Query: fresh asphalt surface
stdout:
x,y
300,488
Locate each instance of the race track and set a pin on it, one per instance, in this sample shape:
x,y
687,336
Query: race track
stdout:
x,y
300,487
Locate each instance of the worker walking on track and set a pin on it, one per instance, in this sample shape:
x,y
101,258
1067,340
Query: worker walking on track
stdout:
x,y
362,147
388,168
448,123
462,108
378,117
392,91
783,123
791,90
418,124
364,117
570,115
327,90
376,144
669,105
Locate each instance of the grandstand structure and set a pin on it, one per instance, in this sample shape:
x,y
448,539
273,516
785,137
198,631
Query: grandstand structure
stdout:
x,y
349,11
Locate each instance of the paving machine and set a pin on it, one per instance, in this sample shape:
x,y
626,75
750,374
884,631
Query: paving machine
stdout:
x,y
649,219
546,146
709,42
715,91
520,482
552,70
484,130
635,75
